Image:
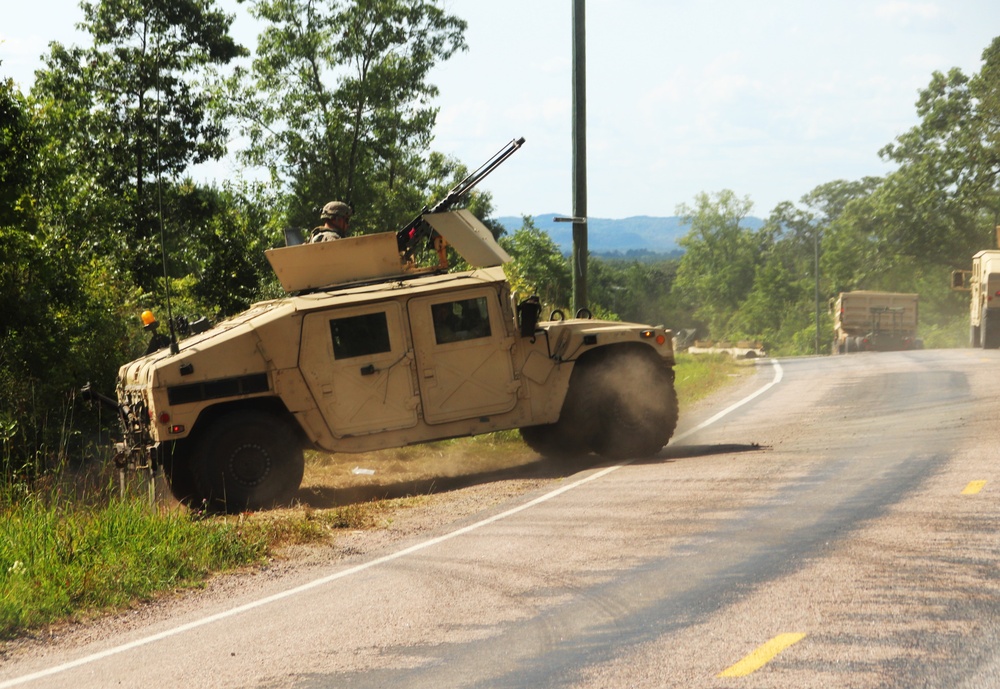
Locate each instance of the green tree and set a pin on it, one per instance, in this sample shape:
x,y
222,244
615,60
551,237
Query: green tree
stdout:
x,y
219,239
337,103
538,267
62,322
943,202
636,291
129,109
717,270
19,145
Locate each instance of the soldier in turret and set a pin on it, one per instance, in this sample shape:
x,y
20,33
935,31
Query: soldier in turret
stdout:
x,y
336,216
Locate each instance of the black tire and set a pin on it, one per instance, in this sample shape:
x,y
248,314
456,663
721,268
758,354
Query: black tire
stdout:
x,y
248,460
177,471
553,440
572,434
638,406
990,330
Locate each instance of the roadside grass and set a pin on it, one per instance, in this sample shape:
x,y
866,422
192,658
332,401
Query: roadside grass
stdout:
x,y
67,554
698,376
63,559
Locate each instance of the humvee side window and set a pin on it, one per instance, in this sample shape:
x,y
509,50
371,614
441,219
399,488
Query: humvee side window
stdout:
x,y
362,335
466,319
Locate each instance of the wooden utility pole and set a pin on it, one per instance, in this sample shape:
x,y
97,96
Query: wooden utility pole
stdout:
x,y
579,156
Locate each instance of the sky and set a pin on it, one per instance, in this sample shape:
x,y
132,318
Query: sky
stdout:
x,y
768,99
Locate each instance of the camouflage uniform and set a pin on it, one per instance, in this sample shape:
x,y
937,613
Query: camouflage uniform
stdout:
x,y
326,232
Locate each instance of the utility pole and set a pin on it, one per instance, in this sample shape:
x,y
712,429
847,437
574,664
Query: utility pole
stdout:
x,y
816,274
579,156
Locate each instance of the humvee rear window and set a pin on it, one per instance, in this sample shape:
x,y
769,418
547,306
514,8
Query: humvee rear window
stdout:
x,y
360,335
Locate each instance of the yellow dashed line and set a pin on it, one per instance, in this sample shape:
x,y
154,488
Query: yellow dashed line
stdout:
x,y
762,655
973,487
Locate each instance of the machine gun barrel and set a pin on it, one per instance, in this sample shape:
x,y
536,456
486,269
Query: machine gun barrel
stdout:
x,y
410,235
90,394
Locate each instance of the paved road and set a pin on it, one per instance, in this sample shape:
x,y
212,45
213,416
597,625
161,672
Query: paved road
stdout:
x,y
839,529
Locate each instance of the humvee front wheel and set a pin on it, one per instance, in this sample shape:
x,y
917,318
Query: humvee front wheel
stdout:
x,y
248,460
638,408
572,434
619,404
554,440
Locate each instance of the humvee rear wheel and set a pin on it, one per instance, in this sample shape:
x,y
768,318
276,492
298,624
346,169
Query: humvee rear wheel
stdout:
x,y
248,460
638,408
990,331
177,471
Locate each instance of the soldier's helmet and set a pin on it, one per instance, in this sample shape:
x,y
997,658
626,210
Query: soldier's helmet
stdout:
x,y
335,209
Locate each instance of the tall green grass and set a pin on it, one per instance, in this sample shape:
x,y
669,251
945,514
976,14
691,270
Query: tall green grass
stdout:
x,y
698,375
60,559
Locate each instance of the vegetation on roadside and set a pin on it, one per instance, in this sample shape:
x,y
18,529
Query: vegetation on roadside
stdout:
x,y
66,558
61,559
698,376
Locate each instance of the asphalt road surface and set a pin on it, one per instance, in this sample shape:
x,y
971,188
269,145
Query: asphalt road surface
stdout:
x,y
831,522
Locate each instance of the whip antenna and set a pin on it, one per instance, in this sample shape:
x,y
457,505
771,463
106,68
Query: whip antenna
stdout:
x,y
174,349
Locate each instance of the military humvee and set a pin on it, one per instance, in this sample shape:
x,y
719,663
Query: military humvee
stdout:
x,y
368,351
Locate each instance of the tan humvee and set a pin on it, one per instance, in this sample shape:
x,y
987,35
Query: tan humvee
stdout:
x,y
984,307
369,352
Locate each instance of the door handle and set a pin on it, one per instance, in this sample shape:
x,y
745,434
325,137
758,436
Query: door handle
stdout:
x,y
368,370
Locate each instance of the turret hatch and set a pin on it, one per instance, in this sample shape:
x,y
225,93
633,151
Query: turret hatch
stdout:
x,y
470,238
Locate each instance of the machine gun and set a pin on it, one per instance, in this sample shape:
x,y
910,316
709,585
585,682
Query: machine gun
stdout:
x,y
417,230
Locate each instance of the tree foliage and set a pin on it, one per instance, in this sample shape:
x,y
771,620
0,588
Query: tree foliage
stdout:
x,y
61,322
337,103
720,257
538,267
129,110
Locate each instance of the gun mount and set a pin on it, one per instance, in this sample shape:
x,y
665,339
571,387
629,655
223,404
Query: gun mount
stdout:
x,y
409,236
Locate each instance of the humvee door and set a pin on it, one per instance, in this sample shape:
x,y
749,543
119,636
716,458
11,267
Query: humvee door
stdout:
x,y
463,355
357,365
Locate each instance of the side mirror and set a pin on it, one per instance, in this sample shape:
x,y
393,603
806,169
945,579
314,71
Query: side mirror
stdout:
x,y
527,315
960,279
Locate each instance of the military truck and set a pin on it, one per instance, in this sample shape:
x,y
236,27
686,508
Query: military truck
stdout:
x,y
368,350
875,321
984,307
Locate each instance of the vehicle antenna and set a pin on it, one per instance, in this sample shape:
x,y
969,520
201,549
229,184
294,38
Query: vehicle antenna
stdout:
x,y
174,349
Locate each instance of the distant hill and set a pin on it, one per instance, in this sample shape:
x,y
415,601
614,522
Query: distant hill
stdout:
x,y
638,234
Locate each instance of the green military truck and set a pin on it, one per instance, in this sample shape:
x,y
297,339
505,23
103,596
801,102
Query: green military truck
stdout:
x,y
369,351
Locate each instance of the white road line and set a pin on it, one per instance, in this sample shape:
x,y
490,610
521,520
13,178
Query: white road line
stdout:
x,y
778,374
17,681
